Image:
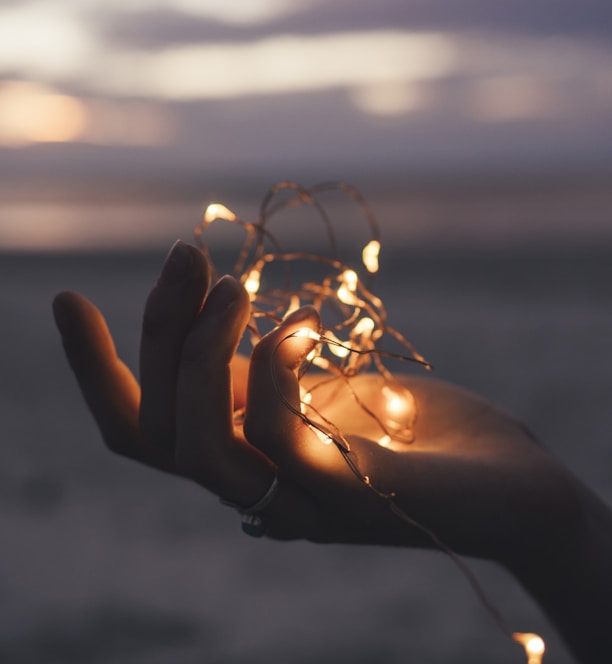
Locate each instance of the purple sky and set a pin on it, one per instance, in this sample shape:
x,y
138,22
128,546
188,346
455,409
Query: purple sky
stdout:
x,y
177,91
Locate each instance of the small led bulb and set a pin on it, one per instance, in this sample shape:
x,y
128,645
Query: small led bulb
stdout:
x,y
322,436
533,644
218,211
369,255
346,290
252,282
307,332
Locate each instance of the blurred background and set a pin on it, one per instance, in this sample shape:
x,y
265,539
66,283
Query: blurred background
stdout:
x,y
153,105
478,132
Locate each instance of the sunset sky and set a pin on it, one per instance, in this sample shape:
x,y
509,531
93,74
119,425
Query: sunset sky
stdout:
x,y
118,90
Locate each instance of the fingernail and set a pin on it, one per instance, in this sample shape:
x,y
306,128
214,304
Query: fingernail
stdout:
x,y
225,293
301,314
178,263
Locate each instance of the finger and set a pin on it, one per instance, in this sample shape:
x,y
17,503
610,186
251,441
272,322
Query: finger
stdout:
x,y
109,388
207,448
171,308
273,421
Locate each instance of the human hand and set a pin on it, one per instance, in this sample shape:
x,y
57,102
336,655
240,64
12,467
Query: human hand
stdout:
x,y
473,477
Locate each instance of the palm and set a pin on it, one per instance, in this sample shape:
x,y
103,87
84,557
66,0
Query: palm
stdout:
x,y
473,475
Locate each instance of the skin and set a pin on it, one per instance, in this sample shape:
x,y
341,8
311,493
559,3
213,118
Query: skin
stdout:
x,y
474,476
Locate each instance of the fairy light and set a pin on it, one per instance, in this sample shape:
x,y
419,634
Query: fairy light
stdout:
x,y
307,332
305,399
534,646
218,211
369,256
325,438
362,320
348,287
337,347
396,404
252,282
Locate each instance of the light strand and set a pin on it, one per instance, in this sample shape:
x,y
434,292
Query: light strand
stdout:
x,y
360,317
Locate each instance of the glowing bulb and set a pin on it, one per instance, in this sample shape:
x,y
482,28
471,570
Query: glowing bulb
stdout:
x,y
364,327
305,399
307,332
322,436
369,255
338,351
533,644
348,286
218,211
321,362
396,405
349,277
252,282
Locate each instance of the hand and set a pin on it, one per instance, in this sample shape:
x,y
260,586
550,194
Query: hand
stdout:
x,y
474,477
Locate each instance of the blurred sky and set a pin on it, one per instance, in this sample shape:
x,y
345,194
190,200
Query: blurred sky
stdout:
x,y
152,95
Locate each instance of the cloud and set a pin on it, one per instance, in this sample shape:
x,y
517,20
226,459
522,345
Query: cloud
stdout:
x,y
160,23
41,40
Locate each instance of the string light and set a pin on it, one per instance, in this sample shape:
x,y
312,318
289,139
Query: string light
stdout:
x,y
360,317
533,644
369,255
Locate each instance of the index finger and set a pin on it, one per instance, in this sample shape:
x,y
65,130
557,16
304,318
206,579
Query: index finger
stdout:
x,y
208,448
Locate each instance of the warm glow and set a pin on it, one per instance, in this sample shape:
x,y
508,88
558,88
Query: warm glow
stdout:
x,y
349,277
364,327
390,406
348,286
323,437
397,406
321,362
252,282
308,333
35,113
31,113
370,254
338,351
305,399
533,644
218,211
312,355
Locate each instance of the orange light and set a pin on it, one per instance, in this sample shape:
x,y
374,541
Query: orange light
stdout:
x,y
369,256
32,113
534,646
218,211
252,283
